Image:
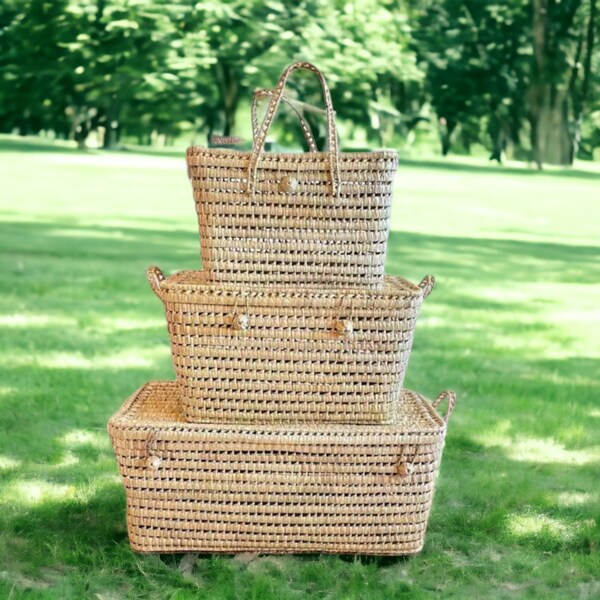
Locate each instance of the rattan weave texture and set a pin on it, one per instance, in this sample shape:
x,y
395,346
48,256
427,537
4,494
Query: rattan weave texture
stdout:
x,y
285,219
274,489
275,355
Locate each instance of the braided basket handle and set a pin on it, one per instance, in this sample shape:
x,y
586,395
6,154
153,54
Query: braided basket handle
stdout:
x,y
447,395
308,136
155,278
259,140
426,285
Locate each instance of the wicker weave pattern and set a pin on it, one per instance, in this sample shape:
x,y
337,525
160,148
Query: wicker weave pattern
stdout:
x,y
283,219
288,355
312,488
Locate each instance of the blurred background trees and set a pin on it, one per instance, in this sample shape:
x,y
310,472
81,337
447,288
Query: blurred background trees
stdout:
x,y
517,76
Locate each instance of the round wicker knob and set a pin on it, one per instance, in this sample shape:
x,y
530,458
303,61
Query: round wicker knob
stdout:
x,y
240,321
404,468
344,327
288,184
154,462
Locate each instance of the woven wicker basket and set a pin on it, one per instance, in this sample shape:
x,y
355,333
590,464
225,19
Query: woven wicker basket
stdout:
x,y
288,355
319,217
235,488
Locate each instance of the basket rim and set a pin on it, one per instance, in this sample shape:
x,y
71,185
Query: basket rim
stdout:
x,y
194,280
166,395
195,150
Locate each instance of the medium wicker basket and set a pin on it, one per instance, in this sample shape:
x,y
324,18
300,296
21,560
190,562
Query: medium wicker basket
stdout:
x,y
275,355
318,217
270,489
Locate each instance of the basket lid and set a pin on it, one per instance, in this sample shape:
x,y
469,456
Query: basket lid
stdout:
x,y
190,285
156,405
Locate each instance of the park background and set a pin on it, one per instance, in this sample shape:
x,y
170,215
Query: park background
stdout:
x,y
494,108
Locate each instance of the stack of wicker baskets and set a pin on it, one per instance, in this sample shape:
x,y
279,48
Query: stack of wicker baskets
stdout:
x,y
287,428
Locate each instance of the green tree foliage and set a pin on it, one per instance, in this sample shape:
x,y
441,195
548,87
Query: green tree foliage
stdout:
x,y
241,34
514,74
477,61
33,74
510,67
368,60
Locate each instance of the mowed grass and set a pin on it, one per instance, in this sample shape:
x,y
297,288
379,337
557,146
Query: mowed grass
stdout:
x,y
513,326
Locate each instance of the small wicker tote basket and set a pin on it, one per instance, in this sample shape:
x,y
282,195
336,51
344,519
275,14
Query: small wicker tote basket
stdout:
x,y
295,355
272,489
280,219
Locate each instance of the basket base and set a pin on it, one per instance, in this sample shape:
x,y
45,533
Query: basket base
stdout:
x,y
269,550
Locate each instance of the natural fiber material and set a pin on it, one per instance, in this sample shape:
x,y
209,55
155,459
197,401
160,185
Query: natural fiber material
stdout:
x,y
284,219
308,136
236,488
274,355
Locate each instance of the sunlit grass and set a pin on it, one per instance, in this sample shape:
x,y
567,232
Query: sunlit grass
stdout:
x,y
539,450
539,524
6,462
28,321
576,498
512,326
133,357
36,491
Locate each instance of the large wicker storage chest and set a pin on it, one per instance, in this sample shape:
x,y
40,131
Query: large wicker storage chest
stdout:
x,y
274,489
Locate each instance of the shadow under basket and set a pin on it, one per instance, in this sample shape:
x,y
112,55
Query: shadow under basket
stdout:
x,y
273,489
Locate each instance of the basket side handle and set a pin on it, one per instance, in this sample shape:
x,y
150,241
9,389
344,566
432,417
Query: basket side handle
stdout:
x,y
451,398
426,285
155,278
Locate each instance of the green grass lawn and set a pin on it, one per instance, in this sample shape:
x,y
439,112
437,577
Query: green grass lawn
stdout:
x,y
513,326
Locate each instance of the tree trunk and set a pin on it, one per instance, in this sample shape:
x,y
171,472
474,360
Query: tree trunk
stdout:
x,y
580,94
210,122
497,148
446,145
536,92
111,135
554,140
499,132
80,135
590,39
446,128
552,135
229,120
229,92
